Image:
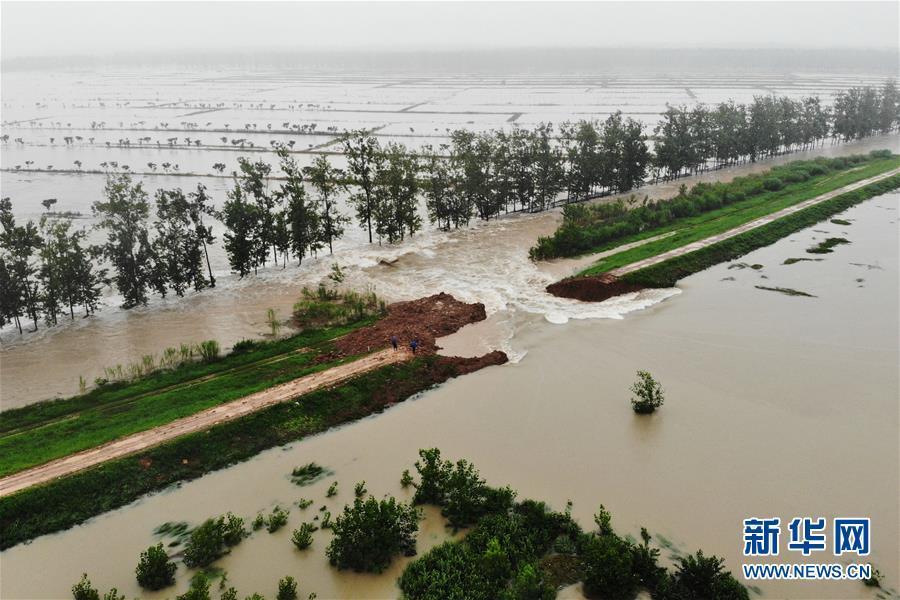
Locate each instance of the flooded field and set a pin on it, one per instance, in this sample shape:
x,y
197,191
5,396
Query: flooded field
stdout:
x,y
776,405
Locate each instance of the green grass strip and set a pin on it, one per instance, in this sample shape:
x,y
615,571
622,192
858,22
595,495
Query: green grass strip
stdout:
x,y
43,412
73,426
69,501
704,225
667,273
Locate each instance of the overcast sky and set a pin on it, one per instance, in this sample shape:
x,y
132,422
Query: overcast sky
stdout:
x,y
74,28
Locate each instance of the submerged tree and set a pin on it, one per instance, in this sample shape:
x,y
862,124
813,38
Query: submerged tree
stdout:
x,y
124,216
326,180
19,243
648,393
364,161
178,248
240,217
200,205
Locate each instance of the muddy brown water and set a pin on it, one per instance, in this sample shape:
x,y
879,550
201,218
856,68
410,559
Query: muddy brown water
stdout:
x,y
775,406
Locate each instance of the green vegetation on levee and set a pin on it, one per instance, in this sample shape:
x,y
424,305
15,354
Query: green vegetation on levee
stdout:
x,y
667,273
524,549
705,210
65,502
38,433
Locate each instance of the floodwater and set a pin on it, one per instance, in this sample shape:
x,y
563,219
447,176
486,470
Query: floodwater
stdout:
x,y
776,405
485,263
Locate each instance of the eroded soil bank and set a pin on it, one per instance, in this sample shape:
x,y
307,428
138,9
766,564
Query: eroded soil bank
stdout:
x,y
593,288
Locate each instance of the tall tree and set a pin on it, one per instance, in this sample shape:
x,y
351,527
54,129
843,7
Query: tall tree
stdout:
x,y
200,204
397,188
301,218
241,219
326,181
124,216
20,243
438,188
364,161
547,167
179,249
254,179
582,147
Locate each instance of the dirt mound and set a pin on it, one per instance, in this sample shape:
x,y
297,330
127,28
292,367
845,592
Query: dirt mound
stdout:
x,y
424,319
592,289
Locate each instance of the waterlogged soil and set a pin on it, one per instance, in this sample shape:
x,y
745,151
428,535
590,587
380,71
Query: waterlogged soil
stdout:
x,y
775,406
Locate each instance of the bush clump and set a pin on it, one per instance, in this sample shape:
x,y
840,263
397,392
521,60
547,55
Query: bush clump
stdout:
x,y
648,394
212,539
324,307
458,489
154,570
287,589
309,473
368,534
302,536
526,551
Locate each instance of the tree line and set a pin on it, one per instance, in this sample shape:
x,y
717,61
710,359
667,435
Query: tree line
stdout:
x,y
48,269
689,140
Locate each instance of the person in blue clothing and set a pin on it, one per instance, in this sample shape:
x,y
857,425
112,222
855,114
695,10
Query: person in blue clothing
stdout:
x,y
394,341
414,344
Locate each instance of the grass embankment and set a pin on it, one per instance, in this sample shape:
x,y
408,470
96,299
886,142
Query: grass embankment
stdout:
x,y
71,500
39,433
693,228
667,273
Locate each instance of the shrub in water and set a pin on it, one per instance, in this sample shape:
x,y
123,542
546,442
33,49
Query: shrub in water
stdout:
x,y
371,532
698,576
83,590
276,520
199,589
648,393
608,567
287,589
302,536
154,570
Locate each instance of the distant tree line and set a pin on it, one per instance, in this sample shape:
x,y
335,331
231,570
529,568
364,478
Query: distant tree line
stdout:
x,y
695,139
48,269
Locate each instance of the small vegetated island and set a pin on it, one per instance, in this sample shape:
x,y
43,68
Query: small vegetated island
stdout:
x,y
661,242
340,330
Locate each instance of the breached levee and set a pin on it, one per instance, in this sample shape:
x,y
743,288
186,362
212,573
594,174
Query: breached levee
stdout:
x,y
595,288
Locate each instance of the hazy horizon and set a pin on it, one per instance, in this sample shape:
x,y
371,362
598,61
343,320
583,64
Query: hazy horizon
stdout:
x,y
101,30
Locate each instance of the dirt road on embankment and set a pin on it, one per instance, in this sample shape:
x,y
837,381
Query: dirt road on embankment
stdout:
x,y
199,421
596,288
749,225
